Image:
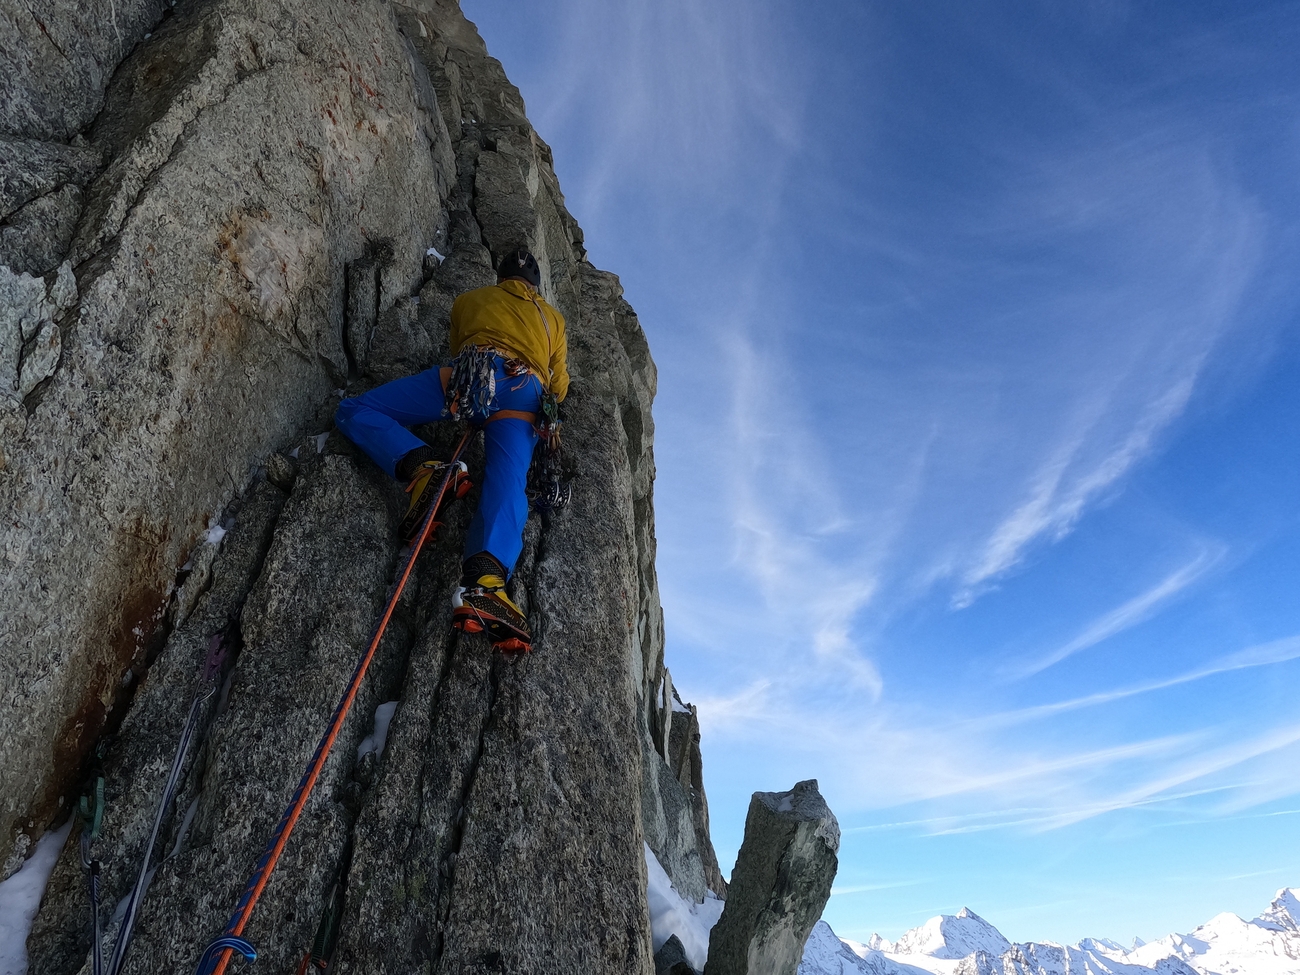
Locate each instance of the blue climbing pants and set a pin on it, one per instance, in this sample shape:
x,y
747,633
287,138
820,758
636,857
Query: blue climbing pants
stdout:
x,y
376,422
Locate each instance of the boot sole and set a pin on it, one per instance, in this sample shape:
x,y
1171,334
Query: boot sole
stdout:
x,y
503,636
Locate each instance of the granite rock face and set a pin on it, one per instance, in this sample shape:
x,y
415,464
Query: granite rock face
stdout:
x,y
670,959
57,59
276,203
781,882
251,151
41,193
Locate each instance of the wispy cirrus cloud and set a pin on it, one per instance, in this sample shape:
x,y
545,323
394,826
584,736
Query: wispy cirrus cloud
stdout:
x,y
786,509
840,891
1262,655
883,756
672,92
917,319
894,757
1059,494
1128,614
1171,243
1195,768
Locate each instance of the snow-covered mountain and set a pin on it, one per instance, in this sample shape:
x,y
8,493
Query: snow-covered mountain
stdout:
x,y
1227,945
947,936
966,944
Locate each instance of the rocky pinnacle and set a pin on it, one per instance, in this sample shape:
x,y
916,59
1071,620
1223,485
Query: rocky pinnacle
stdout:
x,y
779,886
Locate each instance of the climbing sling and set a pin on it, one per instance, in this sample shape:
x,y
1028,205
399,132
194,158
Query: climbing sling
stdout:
x,y
91,810
216,957
472,384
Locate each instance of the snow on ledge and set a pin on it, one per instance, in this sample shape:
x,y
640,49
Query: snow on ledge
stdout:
x,y
378,738
671,914
20,896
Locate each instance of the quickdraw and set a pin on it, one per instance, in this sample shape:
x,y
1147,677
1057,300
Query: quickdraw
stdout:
x,y
224,946
547,489
320,956
91,811
216,957
473,384
470,382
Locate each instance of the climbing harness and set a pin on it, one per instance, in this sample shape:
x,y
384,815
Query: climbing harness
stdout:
x,y
217,956
470,382
469,385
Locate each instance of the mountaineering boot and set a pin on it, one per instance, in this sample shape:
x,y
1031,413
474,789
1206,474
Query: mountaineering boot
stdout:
x,y
480,605
425,475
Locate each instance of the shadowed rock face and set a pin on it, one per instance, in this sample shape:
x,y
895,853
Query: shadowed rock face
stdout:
x,y
670,959
57,59
781,882
259,184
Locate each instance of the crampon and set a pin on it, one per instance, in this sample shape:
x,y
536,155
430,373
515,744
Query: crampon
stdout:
x,y
430,473
485,608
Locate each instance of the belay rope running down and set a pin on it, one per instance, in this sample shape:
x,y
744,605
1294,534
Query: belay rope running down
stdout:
x,y
216,957
473,382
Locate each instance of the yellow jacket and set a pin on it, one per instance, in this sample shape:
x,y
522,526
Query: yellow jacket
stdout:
x,y
514,319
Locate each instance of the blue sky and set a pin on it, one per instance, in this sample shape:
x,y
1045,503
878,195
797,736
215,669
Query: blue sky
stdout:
x,y
978,428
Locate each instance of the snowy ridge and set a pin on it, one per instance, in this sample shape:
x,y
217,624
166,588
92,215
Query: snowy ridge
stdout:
x,y
966,944
949,936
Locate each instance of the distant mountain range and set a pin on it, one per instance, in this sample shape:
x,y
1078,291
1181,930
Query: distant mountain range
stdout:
x,y
966,944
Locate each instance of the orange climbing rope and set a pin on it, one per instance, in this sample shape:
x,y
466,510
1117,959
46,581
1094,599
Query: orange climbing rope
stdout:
x,y
216,957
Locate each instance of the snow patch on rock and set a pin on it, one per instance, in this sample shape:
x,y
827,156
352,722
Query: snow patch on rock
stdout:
x,y
378,738
20,896
671,914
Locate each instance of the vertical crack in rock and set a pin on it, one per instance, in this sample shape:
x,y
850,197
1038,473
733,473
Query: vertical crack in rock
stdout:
x,y
259,154
137,760
463,811
304,623
272,181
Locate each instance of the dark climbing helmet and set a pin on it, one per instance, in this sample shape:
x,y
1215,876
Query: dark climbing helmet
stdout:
x,y
520,263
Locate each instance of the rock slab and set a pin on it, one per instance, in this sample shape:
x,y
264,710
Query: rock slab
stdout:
x,y
781,882
282,201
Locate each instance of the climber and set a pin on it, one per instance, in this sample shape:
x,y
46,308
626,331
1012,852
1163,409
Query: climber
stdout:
x,y
509,349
